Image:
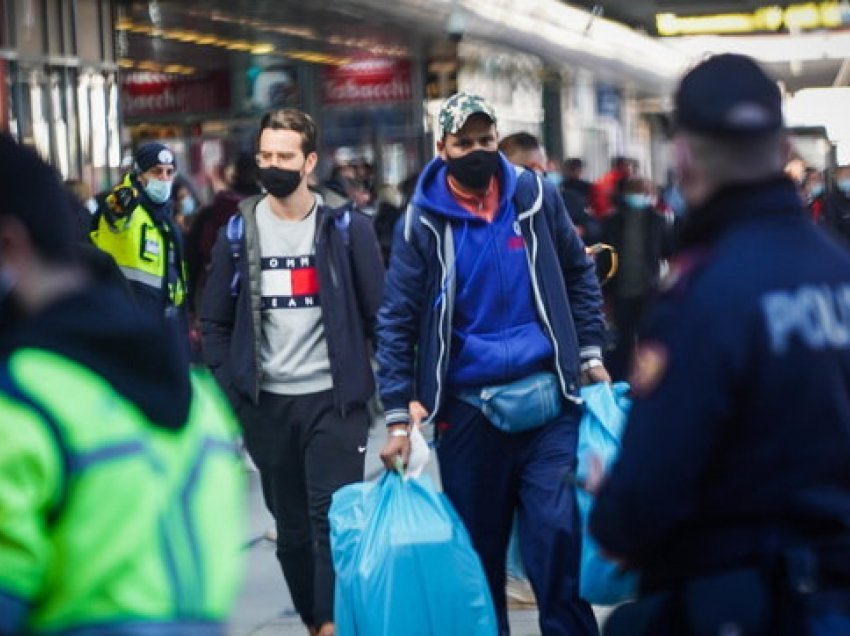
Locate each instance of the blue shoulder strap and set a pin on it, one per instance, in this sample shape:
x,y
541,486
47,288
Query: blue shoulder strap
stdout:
x,y
234,232
342,222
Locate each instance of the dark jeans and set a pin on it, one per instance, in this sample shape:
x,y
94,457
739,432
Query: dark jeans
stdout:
x,y
487,475
305,451
628,314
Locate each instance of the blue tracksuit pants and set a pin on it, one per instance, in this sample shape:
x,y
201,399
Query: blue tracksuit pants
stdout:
x,y
487,475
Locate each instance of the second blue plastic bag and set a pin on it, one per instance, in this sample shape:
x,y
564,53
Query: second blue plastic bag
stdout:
x,y
404,563
605,410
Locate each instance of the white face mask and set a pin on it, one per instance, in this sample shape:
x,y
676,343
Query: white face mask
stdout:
x,y
187,206
638,200
158,190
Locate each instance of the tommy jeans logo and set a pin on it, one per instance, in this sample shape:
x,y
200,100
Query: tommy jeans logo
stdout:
x,y
289,283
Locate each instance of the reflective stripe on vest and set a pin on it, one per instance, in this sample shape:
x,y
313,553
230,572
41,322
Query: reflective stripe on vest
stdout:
x,y
138,276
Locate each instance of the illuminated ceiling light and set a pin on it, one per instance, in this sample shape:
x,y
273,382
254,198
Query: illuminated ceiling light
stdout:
x,y
769,18
123,24
262,49
806,16
178,69
186,36
125,63
832,15
317,58
795,17
239,45
671,24
206,39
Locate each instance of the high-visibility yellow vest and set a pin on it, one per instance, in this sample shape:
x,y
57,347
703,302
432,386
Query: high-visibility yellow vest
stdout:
x,y
106,519
142,250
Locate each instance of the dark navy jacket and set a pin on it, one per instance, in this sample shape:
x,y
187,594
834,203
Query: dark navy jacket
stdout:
x,y
416,319
351,280
740,430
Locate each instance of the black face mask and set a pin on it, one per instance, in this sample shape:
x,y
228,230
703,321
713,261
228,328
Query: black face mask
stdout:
x,y
475,169
279,182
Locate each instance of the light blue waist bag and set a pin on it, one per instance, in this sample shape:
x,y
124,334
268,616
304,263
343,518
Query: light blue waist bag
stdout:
x,y
521,405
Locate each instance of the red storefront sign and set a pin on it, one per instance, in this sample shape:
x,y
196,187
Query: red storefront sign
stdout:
x,y
162,94
367,81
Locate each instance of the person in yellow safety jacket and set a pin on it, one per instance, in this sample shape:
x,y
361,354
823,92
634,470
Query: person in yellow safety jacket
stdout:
x,y
136,227
121,491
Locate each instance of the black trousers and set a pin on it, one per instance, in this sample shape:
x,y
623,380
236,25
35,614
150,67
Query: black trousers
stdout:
x,y
628,315
305,450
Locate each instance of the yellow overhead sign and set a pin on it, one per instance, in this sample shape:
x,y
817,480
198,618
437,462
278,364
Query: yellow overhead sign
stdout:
x,y
812,15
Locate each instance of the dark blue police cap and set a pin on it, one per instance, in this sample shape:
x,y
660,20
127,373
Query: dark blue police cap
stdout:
x,y
728,95
152,154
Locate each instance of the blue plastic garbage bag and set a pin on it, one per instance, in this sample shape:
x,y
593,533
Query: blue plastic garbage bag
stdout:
x,y
404,563
606,407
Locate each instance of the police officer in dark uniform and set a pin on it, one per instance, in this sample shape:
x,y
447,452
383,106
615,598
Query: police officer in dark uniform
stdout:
x,y
732,492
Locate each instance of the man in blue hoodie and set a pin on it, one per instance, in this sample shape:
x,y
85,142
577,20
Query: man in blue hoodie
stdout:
x,y
491,319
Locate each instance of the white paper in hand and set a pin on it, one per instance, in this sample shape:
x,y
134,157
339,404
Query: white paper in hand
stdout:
x,y
419,453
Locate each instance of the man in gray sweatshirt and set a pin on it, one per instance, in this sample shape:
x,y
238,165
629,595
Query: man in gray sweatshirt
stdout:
x,y
287,316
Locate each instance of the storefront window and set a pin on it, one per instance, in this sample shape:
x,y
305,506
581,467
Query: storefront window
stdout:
x,y
59,125
98,119
40,127
84,116
114,143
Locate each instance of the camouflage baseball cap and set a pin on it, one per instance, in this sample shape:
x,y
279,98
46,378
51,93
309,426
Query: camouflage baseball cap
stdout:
x,y
460,107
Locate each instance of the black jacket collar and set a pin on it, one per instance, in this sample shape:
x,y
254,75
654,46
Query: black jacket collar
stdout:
x,y
738,203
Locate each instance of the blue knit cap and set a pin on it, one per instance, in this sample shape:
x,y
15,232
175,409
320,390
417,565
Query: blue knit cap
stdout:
x,y
152,154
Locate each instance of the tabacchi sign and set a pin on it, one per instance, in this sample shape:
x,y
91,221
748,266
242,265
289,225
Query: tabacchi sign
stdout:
x,y
161,94
367,81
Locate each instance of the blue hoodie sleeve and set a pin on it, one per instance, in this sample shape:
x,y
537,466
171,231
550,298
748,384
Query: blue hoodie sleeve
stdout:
x,y
398,326
579,275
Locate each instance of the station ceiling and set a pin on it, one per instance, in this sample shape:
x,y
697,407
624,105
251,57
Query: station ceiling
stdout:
x,y
336,29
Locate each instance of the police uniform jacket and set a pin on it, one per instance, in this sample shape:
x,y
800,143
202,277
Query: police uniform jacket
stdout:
x,y
148,249
740,433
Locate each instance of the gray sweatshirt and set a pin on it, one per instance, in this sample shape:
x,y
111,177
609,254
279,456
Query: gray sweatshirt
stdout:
x,y
293,350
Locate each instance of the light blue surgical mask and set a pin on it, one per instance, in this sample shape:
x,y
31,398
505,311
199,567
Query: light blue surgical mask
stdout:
x,y
555,178
187,206
816,190
843,185
158,190
638,200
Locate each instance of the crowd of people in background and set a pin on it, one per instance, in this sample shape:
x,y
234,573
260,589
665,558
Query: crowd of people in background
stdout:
x,y
623,209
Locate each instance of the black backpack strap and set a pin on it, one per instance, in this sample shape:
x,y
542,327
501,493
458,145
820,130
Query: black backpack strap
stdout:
x,y
234,232
342,223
